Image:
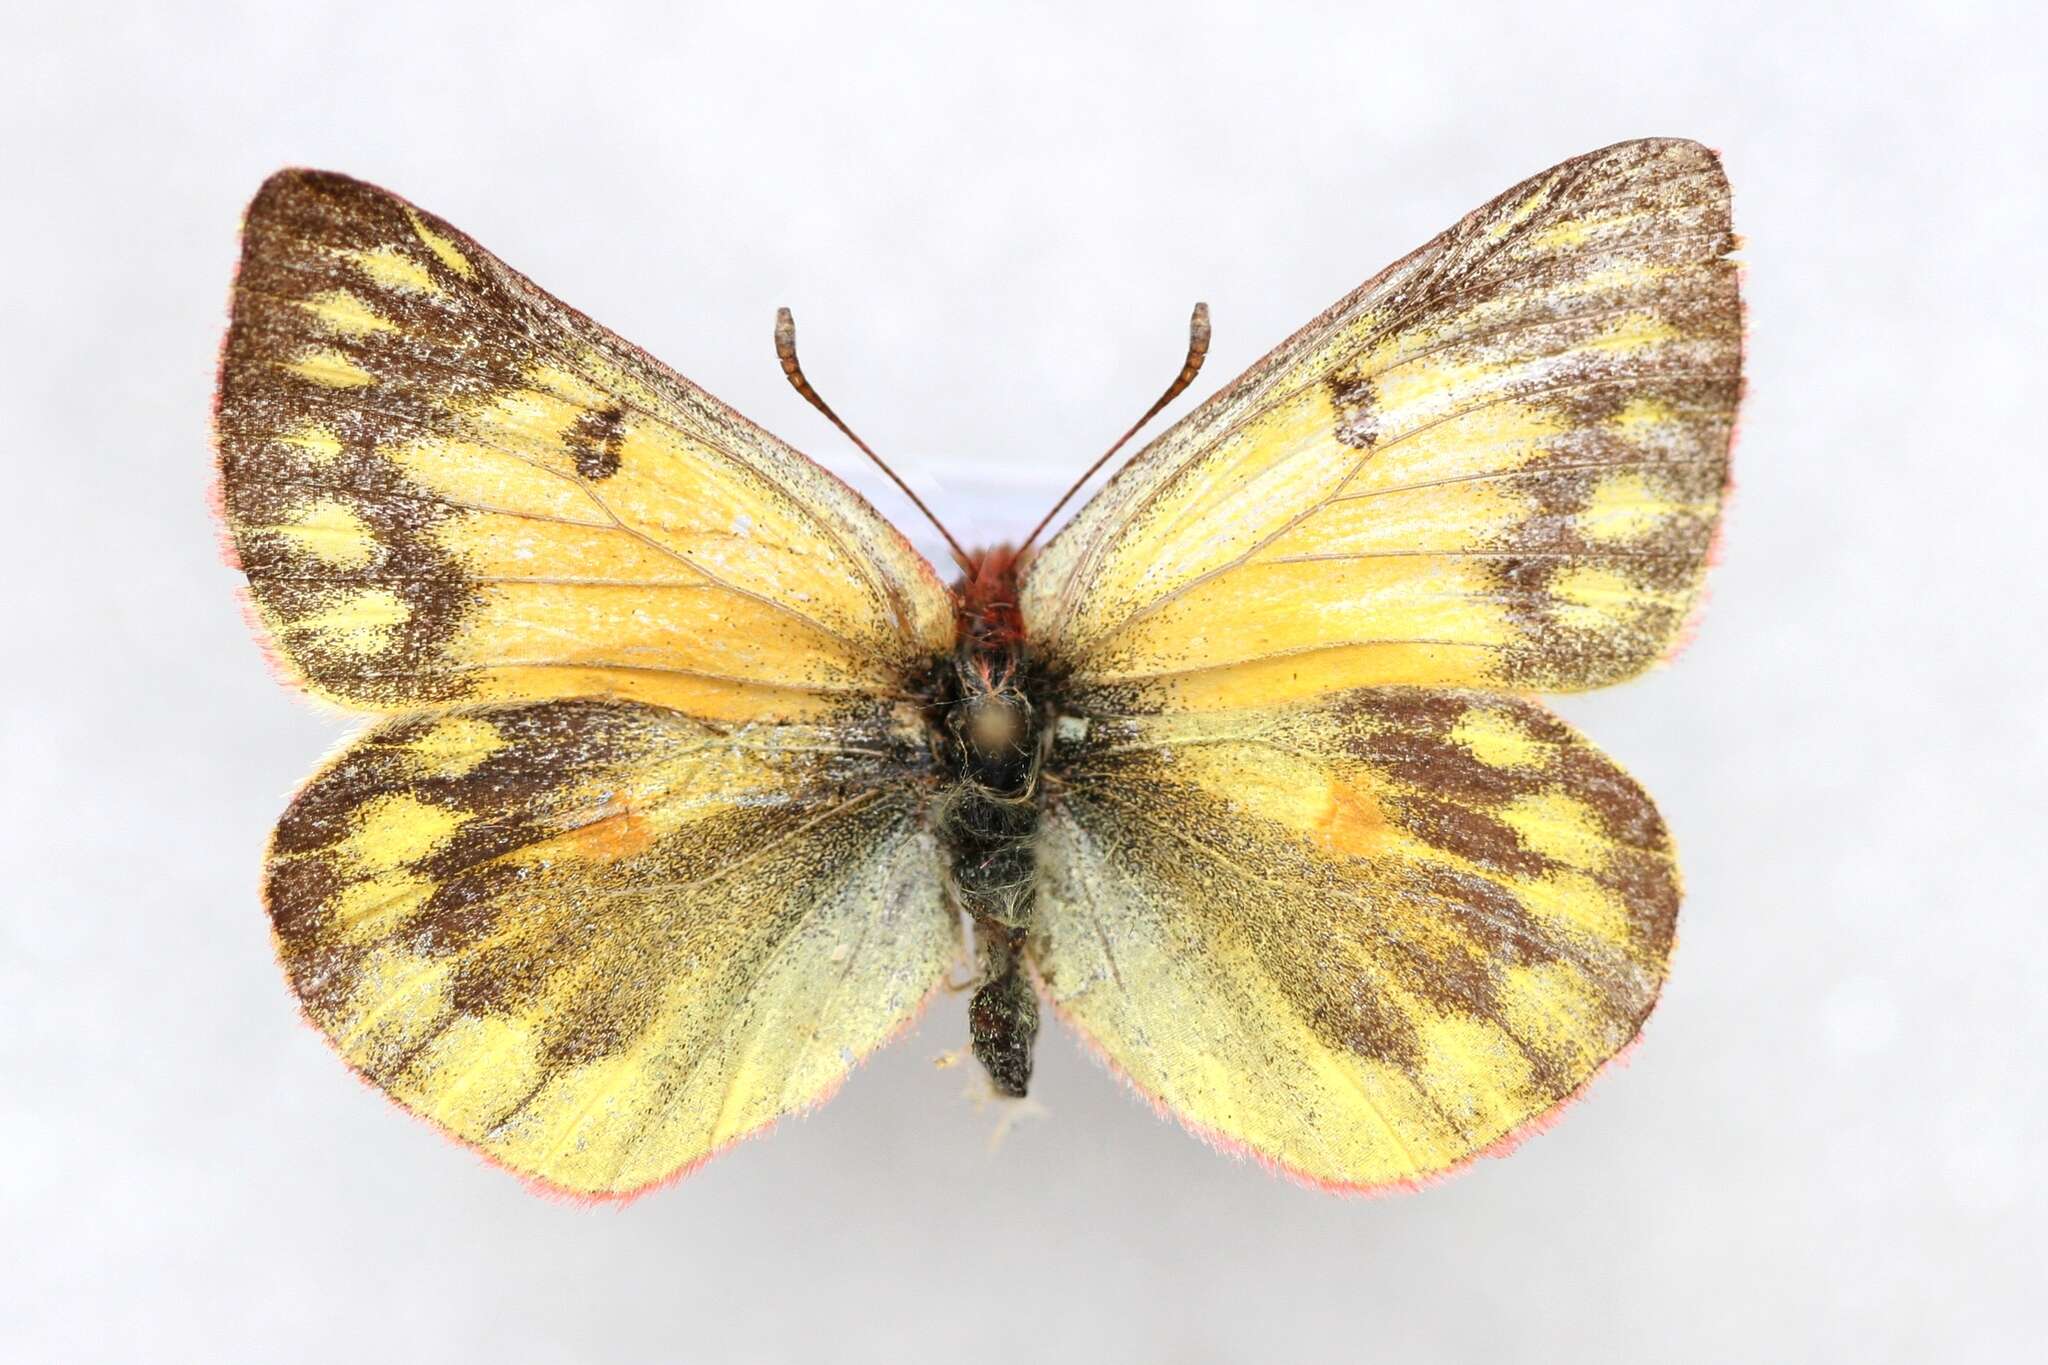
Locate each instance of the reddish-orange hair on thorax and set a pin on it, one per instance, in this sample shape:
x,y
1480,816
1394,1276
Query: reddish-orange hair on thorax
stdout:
x,y
986,595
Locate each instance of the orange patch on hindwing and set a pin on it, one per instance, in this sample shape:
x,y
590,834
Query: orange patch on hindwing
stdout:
x,y
1352,824
620,831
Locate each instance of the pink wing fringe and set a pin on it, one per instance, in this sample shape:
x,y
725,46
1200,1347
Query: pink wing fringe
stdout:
x,y
1241,1150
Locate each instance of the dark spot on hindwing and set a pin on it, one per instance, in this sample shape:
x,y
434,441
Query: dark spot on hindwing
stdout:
x,y
1472,834
465,909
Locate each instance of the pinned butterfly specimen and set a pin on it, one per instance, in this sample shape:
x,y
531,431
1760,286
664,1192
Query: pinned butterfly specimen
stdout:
x,y
690,768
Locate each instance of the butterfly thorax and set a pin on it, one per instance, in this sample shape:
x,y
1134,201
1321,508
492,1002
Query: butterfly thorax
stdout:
x,y
989,722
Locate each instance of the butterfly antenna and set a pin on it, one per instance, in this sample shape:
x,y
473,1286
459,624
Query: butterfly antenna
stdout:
x,y
785,349
1198,351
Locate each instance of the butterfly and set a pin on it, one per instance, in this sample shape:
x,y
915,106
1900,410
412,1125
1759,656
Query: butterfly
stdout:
x,y
691,775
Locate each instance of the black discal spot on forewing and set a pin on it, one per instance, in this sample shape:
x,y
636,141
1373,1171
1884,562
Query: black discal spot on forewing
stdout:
x,y
596,438
1357,403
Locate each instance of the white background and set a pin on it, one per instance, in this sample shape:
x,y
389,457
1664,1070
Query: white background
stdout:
x,y
991,224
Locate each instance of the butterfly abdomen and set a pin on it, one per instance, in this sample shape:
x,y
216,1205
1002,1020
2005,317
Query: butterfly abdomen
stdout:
x,y
988,724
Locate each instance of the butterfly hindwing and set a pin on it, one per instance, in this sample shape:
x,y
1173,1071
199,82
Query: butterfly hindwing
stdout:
x,y
599,940
445,486
1365,939
1499,465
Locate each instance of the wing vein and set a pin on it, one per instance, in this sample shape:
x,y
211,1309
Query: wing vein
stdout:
x,y
1524,472
620,666
1230,566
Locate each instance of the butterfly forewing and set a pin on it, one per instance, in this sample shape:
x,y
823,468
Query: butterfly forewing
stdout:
x,y
446,486
1499,464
